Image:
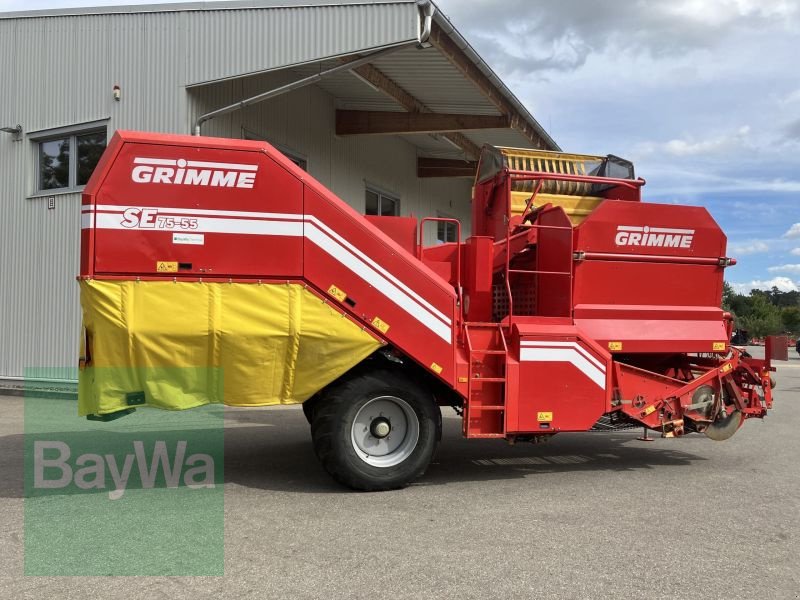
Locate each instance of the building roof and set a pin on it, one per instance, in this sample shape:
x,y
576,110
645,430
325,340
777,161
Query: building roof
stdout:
x,y
446,75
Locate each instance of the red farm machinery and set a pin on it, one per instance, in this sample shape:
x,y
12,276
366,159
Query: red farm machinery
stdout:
x,y
217,271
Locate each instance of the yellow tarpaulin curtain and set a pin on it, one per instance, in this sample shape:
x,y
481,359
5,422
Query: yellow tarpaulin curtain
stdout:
x,y
180,345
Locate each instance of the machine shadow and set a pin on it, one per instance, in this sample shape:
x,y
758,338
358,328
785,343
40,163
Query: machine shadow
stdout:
x,y
272,450
282,459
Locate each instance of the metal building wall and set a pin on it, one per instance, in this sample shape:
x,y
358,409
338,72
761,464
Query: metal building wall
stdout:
x,y
63,70
60,70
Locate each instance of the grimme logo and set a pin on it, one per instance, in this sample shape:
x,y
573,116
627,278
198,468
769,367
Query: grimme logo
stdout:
x,y
101,472
193,172
656,237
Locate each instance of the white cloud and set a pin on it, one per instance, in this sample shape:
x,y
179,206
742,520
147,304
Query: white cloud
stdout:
x,y
791,97
784,284
698,147
745,248
795,252
785,269
794,231
717,13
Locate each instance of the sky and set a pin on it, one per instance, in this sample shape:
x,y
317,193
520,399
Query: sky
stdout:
x,y
702,95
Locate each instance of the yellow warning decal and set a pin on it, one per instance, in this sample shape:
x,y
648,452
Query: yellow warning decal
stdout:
x,y
649,410
615,345
380,325
337,293
463,380
163,266
544,417
718,346
436,368
726,368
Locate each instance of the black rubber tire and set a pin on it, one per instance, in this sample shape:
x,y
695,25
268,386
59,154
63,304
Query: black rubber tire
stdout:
x,y
332,422
308,409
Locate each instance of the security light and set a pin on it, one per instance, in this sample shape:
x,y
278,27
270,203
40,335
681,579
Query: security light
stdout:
x,y
15,130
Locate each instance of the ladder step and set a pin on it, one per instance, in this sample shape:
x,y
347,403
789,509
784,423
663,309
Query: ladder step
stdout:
x,y
490,379
498,352
476,407
486,435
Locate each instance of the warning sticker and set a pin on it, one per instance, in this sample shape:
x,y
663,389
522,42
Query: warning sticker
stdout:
x,y
380,325
544,417
166,267
337,293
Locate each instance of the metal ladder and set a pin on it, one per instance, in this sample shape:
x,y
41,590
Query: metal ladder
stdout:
x,y
487,351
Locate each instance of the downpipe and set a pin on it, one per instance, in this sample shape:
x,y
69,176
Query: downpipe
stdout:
x,y
428,9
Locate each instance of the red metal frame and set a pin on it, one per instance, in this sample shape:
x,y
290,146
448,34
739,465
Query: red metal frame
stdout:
x,y
634,331
633,184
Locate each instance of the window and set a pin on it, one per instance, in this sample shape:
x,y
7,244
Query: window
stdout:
x,y
67,157
381,204
446,231
297,158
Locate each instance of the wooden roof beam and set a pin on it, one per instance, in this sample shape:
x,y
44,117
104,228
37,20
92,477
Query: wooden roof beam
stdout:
x,y
389,87
445,167
370,122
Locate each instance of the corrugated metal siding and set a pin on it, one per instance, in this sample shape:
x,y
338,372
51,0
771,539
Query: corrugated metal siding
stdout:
x,y
225,44
63,70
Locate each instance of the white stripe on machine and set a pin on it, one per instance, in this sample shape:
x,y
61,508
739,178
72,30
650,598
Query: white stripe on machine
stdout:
x,y
571,352
288,225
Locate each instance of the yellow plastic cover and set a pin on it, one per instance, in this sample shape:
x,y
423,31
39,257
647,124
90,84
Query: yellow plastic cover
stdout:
x,y
576,207
573,197
180,345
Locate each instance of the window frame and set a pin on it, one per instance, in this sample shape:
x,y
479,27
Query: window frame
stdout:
x,y
382,193
71,132
447,225
298,158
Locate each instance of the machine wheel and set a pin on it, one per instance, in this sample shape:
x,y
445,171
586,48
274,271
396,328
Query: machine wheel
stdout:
x,y
376,431
308,409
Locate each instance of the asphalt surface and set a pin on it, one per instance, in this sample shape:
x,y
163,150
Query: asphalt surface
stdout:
x,y
584,516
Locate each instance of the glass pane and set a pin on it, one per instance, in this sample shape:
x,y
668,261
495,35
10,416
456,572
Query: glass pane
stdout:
x,y
371,207
445,231
90,148
388,207
54,164
441,231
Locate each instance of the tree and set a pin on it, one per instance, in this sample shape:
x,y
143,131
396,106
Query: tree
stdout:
x,y
762,318
790,316
728,296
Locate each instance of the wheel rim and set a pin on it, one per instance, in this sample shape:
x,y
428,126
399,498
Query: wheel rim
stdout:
x,y
385,431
